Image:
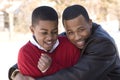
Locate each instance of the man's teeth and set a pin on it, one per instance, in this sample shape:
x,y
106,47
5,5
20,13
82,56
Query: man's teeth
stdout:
x,y
79,42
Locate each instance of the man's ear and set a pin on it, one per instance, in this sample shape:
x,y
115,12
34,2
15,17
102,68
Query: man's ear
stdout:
x,y
90,23
32,29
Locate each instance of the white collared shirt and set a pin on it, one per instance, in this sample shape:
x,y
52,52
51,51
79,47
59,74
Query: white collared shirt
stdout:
x,y
33,41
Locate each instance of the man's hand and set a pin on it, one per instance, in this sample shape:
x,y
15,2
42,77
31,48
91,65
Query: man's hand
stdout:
x,y
19,76
44,62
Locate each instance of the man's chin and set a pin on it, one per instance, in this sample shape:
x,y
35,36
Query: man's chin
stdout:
x,y
80,47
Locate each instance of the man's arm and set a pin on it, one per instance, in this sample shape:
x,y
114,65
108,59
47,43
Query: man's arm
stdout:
x,y
94,64
11,70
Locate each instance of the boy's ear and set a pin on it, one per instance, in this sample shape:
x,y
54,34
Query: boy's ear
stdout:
x,y
32,29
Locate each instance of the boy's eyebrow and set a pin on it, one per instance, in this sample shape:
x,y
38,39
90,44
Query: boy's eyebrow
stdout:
x,y
55,29
44,29
47,30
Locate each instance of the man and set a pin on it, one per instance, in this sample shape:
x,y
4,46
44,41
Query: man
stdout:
x,y
99,61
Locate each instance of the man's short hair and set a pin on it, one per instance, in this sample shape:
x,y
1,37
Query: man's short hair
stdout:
x,y
74,11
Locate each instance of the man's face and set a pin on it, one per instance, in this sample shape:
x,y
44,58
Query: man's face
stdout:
x,y
78,30
46,33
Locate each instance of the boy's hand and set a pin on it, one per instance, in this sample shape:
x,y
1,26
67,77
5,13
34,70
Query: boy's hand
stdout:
x,y
44,62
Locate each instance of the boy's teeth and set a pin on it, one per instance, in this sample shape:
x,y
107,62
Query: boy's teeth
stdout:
x,y
49,42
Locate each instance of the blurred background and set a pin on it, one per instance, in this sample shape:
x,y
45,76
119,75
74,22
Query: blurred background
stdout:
x,y
15,19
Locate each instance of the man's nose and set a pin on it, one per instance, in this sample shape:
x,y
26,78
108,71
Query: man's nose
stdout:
x,y
77,37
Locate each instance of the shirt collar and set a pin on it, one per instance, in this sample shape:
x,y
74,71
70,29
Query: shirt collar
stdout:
x,y
33,41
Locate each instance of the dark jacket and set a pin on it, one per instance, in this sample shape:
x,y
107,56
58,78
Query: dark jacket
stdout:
x,y
99,61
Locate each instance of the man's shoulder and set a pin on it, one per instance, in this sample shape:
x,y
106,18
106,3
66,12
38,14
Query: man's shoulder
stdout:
x,y
98,33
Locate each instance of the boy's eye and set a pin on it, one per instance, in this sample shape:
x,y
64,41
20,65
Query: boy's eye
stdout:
x,y
44,33
69,33
55,32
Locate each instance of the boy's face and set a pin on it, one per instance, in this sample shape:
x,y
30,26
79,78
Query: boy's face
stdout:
x,y
78,30
46,33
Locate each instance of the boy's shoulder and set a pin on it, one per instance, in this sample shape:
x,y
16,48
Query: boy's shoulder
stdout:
x,y
64,41
27,47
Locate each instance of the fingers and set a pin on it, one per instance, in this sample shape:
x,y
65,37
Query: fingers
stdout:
x,y
44,62
45,58
41,66
19,76
29,78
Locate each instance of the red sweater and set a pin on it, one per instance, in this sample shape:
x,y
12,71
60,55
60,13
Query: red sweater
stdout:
x,y
64,56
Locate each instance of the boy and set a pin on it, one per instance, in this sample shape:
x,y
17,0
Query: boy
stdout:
x,y
45,43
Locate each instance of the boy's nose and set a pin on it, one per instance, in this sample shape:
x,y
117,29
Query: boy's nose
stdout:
x,y
49,37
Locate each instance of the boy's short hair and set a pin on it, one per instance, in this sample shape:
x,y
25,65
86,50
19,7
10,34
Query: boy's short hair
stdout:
x,y
74,11
44,13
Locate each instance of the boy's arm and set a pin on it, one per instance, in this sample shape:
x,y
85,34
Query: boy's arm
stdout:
x,y
27,63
